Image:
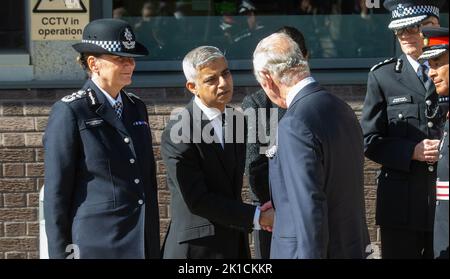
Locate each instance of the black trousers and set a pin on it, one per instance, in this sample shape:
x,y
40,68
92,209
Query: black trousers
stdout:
x,y
406,244
262,240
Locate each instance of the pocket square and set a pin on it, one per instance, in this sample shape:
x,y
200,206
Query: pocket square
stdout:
x,y
270,152
140,123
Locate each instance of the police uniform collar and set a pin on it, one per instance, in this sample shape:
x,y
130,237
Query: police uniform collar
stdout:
x,y
109,98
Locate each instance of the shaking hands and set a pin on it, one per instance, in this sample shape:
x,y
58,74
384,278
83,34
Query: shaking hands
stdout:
x,y
266,216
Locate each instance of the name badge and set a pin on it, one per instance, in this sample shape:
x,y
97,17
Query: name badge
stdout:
x,y
93,123
397,100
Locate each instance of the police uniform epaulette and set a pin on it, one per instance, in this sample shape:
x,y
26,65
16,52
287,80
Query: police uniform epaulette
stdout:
x,y
387,61
131,96
74,96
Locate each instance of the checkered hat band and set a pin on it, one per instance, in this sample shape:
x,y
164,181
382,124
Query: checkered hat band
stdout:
x,y
112,46
415,11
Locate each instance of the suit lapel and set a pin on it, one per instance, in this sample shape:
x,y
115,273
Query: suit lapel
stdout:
x,y
409,77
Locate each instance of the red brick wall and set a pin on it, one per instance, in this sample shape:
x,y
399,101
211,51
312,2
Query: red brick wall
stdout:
x,y
23,117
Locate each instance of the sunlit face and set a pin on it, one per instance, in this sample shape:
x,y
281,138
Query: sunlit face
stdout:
x,y
214,84
410,38
439,73
111,71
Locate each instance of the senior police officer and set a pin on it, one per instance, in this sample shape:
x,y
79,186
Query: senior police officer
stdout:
x,y
402,125
436,52
100,182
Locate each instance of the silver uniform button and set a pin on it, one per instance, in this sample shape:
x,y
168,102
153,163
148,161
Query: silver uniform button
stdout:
x,y
428,102
126,140
400,116
440,156
141,202
137,181
430,168
132,161
430,124
445,134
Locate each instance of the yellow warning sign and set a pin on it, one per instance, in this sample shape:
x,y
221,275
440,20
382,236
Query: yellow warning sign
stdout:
x,y
58,19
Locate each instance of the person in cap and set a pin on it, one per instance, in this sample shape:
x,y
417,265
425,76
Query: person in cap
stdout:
x,y
257,163
401,129
436,52
100,183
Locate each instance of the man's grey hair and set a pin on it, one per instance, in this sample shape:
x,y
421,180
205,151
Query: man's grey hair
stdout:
x,y
281,57
197,59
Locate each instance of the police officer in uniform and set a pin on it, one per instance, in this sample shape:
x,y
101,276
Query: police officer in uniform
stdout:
x,y
436,52
402,128
100,182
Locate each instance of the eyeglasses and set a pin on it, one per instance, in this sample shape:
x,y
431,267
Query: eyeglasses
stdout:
x,y
409,30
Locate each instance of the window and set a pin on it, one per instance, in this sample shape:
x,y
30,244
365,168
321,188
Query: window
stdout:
x,y
339,33
12,25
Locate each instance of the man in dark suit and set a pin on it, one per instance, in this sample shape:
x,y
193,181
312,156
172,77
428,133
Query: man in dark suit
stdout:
x,y
402,127
316,172
100,182
257,164
205,163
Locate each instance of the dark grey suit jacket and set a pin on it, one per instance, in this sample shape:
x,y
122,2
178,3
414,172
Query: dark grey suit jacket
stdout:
x,y
209,219
317,178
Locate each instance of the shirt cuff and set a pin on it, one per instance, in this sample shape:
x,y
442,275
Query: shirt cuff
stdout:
x,y
256,225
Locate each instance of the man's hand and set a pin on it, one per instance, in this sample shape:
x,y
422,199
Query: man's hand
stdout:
x,y
266,218
266,206
426,151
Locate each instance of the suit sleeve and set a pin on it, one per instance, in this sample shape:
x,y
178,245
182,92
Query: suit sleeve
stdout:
x,y
61,154
303,174
183,169
256,165
392,152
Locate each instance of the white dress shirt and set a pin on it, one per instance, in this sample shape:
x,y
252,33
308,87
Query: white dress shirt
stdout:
x,y
214,116
415,64
110,99
299,86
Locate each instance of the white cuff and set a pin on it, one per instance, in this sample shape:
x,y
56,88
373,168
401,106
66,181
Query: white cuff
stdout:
x,y
256,225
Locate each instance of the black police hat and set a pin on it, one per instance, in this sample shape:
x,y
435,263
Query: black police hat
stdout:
x,y
436,42
110,36
411,12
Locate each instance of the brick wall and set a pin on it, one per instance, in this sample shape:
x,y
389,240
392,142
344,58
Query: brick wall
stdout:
x,y
23,118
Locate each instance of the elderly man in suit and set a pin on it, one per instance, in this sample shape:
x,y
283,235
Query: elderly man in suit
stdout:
x,y
205,158
316,173
100,180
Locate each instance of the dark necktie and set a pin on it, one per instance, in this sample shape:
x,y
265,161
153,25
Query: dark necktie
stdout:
x,y
223,130
423,74
118,107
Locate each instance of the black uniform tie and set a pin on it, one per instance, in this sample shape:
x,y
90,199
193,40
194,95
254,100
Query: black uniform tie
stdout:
x,y
118,107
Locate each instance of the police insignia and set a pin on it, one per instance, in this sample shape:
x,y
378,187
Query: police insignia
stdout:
x,y
74,96
129,42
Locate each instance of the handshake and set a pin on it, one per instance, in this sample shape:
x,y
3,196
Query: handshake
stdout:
x,y
266,216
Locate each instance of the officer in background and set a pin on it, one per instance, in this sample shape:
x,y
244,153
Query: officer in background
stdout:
x,y
100,182
401,129
436,52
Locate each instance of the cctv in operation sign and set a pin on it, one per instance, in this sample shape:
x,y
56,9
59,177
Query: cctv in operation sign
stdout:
x,y
58,19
